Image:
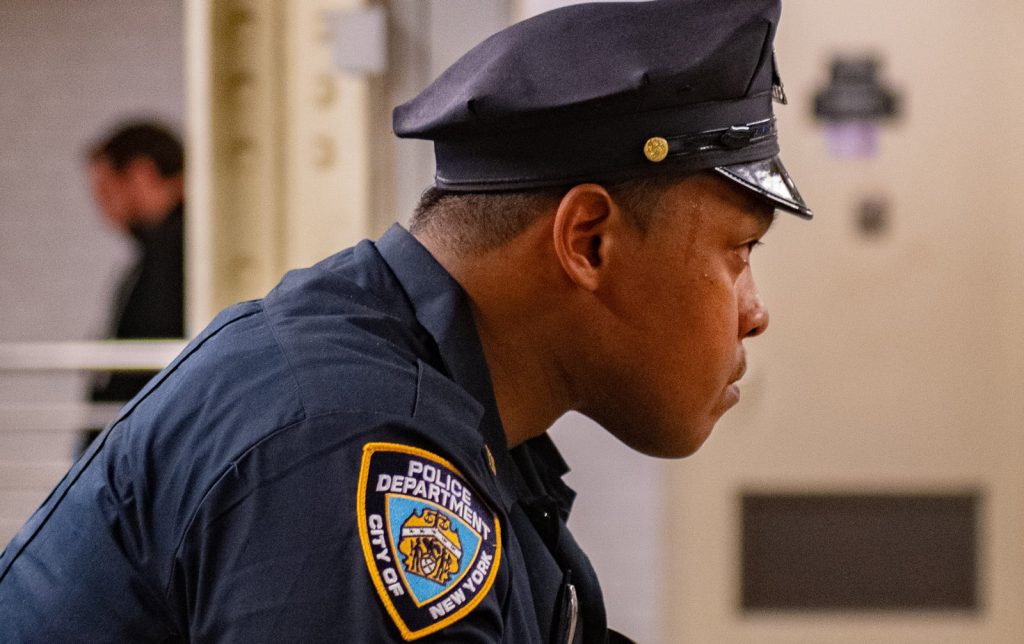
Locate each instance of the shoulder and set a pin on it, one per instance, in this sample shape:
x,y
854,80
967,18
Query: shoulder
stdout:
x,y
337,337
347,320
332,356
331,445
342,462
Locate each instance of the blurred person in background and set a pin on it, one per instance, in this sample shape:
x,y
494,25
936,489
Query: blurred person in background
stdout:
x,y
135,174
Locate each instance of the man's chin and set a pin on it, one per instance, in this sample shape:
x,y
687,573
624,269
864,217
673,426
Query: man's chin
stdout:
x,y
672,443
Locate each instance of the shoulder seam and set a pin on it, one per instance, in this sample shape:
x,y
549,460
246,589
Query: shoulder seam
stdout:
x,y
285,357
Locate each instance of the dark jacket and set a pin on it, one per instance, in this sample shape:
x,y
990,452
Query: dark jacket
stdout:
x,y
149,301
249,492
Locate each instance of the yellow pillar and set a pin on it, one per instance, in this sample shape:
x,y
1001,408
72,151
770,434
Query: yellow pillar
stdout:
x,y
277,136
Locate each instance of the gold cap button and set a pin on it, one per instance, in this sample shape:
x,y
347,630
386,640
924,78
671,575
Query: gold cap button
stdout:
x,y
656,149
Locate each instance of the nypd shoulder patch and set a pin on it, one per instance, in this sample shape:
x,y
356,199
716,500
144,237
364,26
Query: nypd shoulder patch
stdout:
x,y
432,545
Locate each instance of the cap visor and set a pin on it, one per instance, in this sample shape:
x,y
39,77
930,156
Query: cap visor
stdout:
x,y
769,179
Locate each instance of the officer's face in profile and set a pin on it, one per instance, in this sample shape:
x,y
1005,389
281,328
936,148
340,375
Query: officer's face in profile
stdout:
x,y
692,303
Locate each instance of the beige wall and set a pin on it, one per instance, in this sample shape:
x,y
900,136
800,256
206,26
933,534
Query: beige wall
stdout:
x,y
891,363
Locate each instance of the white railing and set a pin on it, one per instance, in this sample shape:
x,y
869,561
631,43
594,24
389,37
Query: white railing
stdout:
x,y
36,438
108,355
54,418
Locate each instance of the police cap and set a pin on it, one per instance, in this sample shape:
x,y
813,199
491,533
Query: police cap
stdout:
x,y
611,91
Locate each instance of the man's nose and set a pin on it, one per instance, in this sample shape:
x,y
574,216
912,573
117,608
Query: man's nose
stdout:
x,y
753,312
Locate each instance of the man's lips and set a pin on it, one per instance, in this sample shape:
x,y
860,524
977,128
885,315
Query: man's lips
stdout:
x,y
739,373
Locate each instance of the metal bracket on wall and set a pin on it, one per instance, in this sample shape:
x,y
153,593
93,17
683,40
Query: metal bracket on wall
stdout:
x,y
360,39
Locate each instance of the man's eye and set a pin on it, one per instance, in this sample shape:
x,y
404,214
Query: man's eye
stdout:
x,y
743,251
746,249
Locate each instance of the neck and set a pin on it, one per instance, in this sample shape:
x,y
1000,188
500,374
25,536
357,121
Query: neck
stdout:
x,y
513,316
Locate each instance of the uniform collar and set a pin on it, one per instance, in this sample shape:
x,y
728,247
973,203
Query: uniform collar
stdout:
x,y
442,307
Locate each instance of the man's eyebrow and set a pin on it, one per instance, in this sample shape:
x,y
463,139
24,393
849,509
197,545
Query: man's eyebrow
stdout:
x,y
762,212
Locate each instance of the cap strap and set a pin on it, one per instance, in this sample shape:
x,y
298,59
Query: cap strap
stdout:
x,y
733,137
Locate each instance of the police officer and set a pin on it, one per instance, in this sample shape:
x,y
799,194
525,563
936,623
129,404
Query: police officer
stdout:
x,y
361,456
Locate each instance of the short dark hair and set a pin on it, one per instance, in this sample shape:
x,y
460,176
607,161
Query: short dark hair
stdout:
x,y
478,221
141,139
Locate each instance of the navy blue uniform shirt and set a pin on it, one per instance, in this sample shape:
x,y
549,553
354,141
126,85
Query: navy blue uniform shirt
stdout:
x,y
326,464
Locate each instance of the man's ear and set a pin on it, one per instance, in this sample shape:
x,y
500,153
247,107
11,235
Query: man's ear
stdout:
x,y
581,227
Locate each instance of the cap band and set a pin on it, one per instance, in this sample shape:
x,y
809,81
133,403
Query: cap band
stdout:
x,y
733,137
608,147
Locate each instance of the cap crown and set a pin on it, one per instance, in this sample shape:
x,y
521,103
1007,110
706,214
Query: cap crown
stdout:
x,y
585,87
